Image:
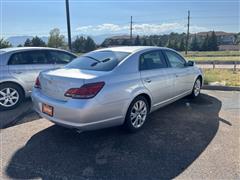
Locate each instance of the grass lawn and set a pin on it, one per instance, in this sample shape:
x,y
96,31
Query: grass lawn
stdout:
x,y
226,76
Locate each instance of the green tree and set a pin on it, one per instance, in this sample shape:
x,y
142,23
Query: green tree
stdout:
x,y
125,42
4,43
79,44
172,44
175,45
144,42
237,38
205,44
213,45
56,40
20,45
137,41
28,43
89,45
182,45
37,42
194,45
160,44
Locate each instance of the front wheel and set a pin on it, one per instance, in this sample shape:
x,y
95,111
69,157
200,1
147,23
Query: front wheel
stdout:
x,y
196,88
137,114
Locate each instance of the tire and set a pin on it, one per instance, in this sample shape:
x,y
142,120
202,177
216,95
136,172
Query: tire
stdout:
x,y
196,88
11,95
135,124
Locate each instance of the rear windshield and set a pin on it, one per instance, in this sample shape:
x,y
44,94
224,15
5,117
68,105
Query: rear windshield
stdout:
x,y
98,60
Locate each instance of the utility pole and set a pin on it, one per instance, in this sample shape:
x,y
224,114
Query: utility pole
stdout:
x,y
131,23
68,25
187,39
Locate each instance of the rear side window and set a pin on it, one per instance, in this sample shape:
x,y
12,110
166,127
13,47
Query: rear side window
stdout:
x,y
29,57
152,60
175,59
60,57
98,60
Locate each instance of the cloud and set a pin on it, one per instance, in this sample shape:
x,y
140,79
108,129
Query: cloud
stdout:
x,y
142,29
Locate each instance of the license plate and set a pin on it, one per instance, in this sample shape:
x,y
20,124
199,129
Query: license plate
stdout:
x,y
46,109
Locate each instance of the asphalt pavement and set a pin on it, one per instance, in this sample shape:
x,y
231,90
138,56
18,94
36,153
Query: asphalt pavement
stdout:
x,y
189,139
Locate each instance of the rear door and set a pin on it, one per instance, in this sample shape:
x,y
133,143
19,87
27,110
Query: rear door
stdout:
x,y
183,74
60,58
26,65
156,76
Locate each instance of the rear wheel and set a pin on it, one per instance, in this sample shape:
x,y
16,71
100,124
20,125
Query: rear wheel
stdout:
x,y
137,114
11,95
196,88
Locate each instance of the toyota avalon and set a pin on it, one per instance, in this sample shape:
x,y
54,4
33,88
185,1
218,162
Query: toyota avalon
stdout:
x,y
115,86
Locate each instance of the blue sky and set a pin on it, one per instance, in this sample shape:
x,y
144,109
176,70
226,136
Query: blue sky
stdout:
x,y
38,17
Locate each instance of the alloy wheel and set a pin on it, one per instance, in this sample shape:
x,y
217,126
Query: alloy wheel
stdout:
x,y
197,88
8,97
138,114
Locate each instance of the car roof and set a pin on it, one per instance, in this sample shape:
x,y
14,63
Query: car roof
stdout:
x,y
131,49
12,49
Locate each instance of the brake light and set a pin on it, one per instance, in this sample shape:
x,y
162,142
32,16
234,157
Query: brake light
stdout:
x,y
86,91
37,83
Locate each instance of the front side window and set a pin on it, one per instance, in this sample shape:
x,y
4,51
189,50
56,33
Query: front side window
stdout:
x,y
152,60
175,60
60,57
98,60
28,57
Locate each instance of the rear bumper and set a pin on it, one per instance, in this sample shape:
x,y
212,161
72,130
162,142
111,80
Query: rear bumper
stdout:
x,y
81,114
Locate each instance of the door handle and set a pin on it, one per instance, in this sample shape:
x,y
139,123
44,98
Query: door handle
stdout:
x,y
147,80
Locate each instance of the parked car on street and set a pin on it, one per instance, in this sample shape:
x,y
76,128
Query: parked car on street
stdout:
x,y
19,67
115,86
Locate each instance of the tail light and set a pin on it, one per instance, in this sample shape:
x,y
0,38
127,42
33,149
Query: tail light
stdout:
x,y
87,91
37,83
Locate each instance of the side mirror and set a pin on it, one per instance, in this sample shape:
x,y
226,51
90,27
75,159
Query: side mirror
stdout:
x,y
190,63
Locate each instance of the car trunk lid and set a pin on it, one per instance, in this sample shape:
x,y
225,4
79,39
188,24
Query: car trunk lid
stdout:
x,y
54,83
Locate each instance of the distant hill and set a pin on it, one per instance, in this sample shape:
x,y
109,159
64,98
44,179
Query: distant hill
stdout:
x,y
16,40
218,33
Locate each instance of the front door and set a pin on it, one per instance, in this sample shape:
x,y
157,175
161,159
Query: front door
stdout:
x,y
156,76
183,74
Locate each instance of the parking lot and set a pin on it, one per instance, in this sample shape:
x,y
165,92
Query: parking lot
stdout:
x,y
189,139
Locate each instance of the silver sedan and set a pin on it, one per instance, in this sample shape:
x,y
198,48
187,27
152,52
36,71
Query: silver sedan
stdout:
x,y
115,86
19,68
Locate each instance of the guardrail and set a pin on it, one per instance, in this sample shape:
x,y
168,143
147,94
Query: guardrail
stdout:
x,y
219,64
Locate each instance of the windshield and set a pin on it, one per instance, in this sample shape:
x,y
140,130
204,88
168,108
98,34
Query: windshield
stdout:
x,y
98,60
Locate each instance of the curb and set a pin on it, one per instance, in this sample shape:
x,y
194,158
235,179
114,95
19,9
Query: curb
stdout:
x,y
222,88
